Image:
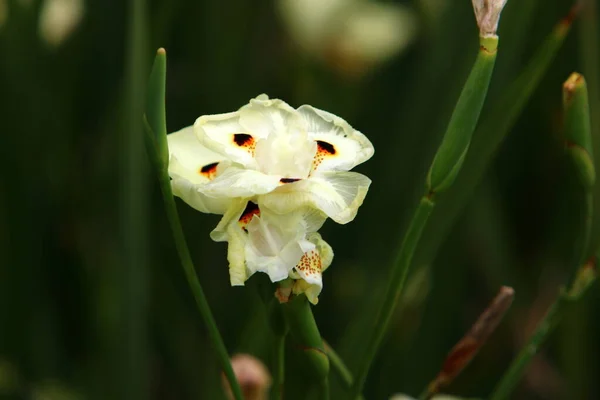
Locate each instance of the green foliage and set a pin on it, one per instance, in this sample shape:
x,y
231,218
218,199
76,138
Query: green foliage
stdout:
x,y
77,312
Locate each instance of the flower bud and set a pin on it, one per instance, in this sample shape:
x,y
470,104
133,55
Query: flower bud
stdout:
x,y
252,375
58,19
487,13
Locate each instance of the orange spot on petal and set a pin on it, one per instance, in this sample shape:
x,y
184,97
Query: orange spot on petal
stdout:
x,y
324,150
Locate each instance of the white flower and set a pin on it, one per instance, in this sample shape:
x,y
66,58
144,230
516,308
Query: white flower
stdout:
x,y
59,18
263,241
351,36
288,158
275,173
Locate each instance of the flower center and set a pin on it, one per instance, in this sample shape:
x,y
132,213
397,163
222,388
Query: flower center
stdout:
x,y
289,155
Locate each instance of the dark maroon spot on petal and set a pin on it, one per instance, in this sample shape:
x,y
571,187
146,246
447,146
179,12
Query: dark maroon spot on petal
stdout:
x,y
209,168
289,180
242,139
249,212
326,147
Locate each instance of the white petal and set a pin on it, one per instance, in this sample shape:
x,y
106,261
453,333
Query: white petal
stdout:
x,y
276,267
235,181
339,146
275,246
236,134
267,239
313,219
223,134
303,219
311,291
230,229
309,271
238,272
309,268
231,217
191,167
324,249
264,117
337,194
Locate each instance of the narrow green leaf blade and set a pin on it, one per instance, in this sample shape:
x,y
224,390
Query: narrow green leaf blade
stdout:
x,y
578,128
155,115
451,154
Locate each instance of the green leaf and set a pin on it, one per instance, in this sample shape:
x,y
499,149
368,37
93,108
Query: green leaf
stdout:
x,y
304,332
155,115
451,154
578,128
491,131
156,145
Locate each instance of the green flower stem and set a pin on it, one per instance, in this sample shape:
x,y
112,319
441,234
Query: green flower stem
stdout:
x,y
578,148
324,390
304,334
339,366
396,284
279,369
444,169
455,144
578,129
585,277
490,133
280,330
156,132
195,286
132,351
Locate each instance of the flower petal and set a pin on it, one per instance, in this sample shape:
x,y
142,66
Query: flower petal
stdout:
x,y
275,245
337,194
236,134
264,117
339,146
239,213
324,249
235,181
231,229
238,271
191,167
223,134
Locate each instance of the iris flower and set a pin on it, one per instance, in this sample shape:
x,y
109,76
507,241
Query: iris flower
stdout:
x,y
275,173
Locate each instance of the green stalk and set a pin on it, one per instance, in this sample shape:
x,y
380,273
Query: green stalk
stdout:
x,y
339,366
279,368
585,276
279,328
132,350
305,336
156,134
444,169
579,148
589,50
451,154
491,132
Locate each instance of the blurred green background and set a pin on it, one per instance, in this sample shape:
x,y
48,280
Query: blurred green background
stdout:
x,y
93,308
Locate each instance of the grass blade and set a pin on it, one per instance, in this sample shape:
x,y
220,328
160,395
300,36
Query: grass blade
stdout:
x,y
578,147
156,135
444,170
